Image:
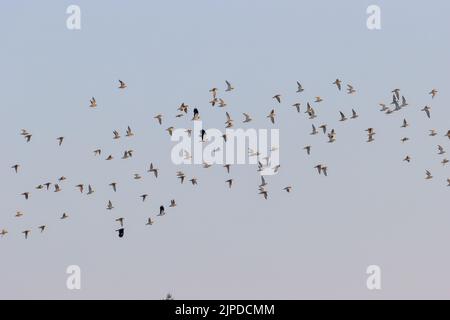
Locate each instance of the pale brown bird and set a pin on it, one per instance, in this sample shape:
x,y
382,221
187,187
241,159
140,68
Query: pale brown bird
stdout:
x,y
129,132
80,187
122,84
338,84
318,99
214,92
433,93
93,103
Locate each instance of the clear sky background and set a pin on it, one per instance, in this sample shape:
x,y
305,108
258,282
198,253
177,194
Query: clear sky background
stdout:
x,y
313,243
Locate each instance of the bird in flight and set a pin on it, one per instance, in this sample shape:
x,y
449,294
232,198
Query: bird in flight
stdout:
x,y
277,97
129,132
299,87
297,106
120,220
3,233
80,187
109,206
343,117
433,93
26,233
122,84
90,190
93,103
154,170
161,211
427,109
172,203
350,89
308,149
230,183
158,117
272,116
318,99
121,232
16,167
338,84
222,103
229,86
247,118
405,124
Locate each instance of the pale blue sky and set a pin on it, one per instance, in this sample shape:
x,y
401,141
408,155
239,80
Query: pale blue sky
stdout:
x,y
220,243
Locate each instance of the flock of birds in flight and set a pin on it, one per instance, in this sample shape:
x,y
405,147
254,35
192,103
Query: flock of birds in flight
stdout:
x,y
398,103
